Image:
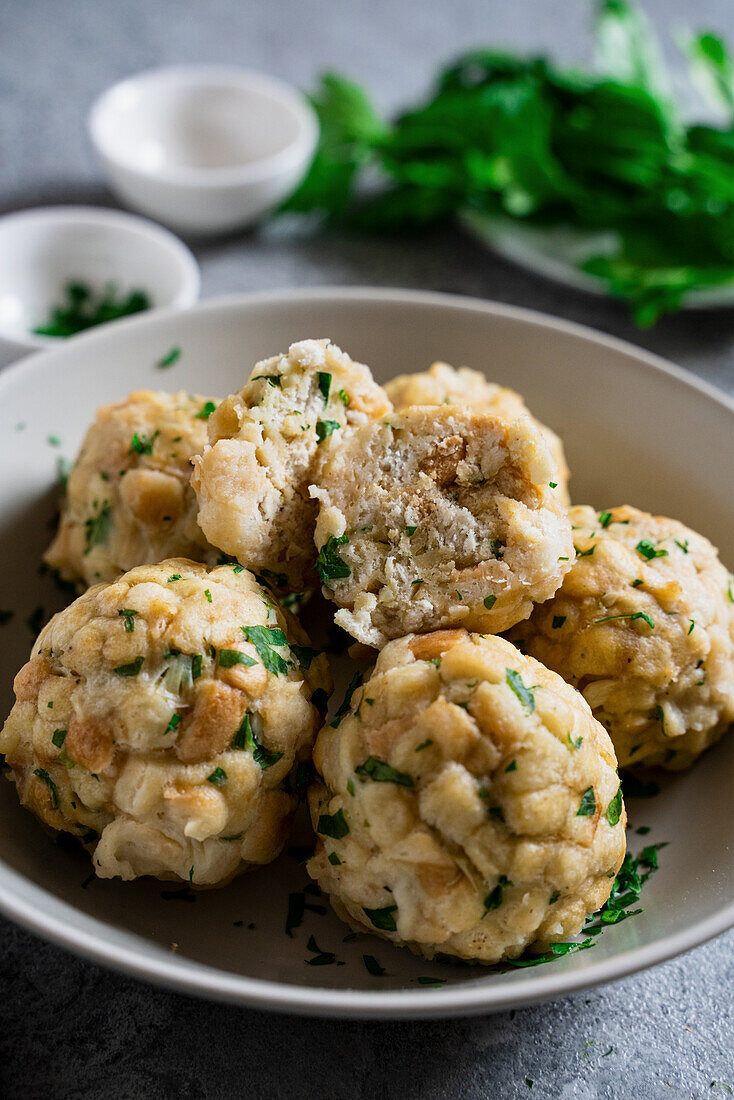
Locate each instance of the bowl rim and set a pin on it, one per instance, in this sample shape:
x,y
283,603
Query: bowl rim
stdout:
x,y
286,159
197,979
178,255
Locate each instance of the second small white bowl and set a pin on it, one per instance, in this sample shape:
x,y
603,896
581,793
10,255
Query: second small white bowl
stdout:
x,y
203,148
45,249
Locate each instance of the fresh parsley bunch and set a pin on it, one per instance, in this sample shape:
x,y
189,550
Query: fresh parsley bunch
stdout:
x,y
605,153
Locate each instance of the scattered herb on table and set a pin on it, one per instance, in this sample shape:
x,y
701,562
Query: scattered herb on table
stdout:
x,y
169,358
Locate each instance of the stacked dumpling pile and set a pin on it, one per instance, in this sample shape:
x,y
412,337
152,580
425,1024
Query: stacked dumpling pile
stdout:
x,y
466,798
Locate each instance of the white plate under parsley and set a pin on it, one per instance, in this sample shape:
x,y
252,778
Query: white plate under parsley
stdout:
x,y
635,430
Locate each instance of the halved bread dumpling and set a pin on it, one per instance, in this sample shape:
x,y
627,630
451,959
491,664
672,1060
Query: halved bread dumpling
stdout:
x,y
438,517
252,480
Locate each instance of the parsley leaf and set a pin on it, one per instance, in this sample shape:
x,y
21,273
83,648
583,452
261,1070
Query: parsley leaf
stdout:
x,y
128,615
333,825
324,381
169,358
631,616
265,640
329,565
646,549
43,775
614,809
524,694
130,670
228,658
324,428
245,739
587,806
382,918
381,772
97,527
494,898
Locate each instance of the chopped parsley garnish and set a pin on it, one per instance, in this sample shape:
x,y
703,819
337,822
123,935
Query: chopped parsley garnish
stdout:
x,y
584,553
130,670
266,639
553,484
324,384
605,518
554,897
169,358
574,743
636,583
632,615
208,595
344,398
228,658
333,825
206,410
690,628
245,739
647,550
512,766
97,527
489,602
494,898
217,778
558,621
524,694
659,713
81,309
58,738
410,531
614,809
128,615
320,958
329,565
424,744
334,860
347,700
382,918
381,772
273,380
196,665
373,966
324,429
43,775
304,655
417,582
587,806
682,544
142,444
173,724
53,441
174,577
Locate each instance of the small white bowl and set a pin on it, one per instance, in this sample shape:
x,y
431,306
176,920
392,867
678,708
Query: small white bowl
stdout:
x,y
45,249
203,148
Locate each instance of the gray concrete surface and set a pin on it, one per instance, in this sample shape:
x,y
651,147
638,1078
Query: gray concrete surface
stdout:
x,y
68,1029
